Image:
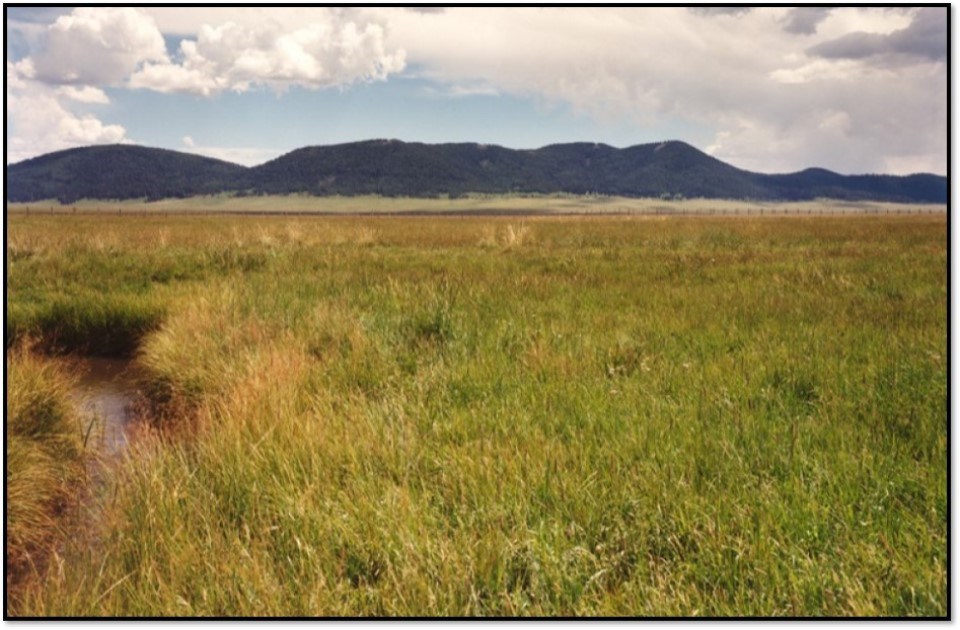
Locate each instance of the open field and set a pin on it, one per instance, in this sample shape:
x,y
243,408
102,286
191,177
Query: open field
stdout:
x,y
475,204
644,416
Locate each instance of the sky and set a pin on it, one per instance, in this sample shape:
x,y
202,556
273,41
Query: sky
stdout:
x,y
854,90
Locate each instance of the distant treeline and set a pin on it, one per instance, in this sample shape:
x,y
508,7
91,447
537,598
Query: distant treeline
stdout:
x,y
670,170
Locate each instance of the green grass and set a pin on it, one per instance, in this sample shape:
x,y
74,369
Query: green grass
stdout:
x,y
89,323
396,416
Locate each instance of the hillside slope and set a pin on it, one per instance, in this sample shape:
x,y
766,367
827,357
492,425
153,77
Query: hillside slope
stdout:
x,y
389,167
395,168
119,171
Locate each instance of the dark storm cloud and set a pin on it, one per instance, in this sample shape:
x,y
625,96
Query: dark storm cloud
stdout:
x,y
804,20
926,37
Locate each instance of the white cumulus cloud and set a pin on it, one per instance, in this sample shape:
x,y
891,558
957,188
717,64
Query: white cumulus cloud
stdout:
x,y
98,46
75,56
335,49
41,123
85,94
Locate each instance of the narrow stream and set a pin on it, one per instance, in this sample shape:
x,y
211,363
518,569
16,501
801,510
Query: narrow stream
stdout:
x,y
105,394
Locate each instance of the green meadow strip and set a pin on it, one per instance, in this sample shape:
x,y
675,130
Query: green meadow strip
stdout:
x,y
496,416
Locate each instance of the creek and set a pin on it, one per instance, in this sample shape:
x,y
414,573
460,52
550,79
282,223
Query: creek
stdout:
x,y
106,393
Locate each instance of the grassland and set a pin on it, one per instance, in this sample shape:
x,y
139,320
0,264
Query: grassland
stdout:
x,y
496,416
44,464
474,204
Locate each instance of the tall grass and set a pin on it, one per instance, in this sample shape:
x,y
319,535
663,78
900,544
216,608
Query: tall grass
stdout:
x,y
43,461
589,417
92,324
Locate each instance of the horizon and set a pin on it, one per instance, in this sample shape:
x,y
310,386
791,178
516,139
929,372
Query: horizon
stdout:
x,y
852,90
481,144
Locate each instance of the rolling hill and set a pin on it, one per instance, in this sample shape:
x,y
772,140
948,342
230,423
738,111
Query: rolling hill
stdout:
x,y
119,171
395,168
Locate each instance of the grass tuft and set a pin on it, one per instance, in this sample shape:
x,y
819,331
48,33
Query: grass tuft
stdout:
x,y
43,459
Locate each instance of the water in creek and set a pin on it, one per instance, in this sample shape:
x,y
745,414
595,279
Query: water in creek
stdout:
x,y
105,394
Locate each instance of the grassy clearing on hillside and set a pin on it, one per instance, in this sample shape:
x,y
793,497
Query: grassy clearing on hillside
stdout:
x,y
603,416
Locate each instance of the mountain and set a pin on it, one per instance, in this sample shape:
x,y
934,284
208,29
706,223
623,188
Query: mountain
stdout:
x,y
119,171
923,187
395,168
390,167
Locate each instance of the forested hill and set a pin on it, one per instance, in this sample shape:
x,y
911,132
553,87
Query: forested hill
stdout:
x,y
120,171
394,168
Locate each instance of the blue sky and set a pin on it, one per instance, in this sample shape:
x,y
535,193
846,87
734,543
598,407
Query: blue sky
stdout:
x,y
774,90
410,108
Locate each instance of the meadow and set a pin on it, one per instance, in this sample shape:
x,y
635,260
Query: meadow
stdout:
x,y
473,204
447,416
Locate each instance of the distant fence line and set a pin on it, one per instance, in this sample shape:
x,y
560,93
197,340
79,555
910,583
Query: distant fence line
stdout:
x,y
490,212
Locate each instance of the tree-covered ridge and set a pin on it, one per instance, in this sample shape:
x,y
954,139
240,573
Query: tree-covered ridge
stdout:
x,y
394,168
119,171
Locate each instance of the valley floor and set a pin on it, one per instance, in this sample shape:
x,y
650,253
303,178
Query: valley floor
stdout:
x,y
484,416
480,205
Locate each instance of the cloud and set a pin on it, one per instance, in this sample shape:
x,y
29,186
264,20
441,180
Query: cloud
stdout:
x,y
71,58
40,123
678,65
776,111
336,50
188,141
98,46
838,88
457,90
924,38
712,11
35,15
84,94
177,78
805,20
849,126
19,73
426,9
820,70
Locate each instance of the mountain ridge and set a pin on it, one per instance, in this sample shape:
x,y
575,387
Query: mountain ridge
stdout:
x,y
389,167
